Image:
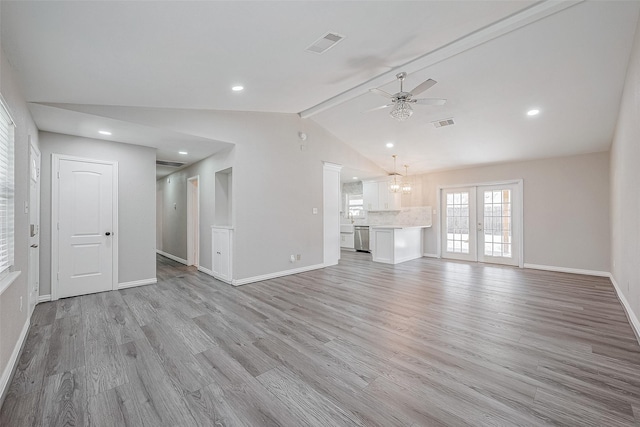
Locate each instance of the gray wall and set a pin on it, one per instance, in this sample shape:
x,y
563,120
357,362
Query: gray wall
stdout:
x,y
136,202
625,187
172,223
12,320
566,207
275,183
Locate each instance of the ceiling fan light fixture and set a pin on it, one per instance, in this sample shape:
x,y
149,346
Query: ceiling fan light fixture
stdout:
x,y
401,111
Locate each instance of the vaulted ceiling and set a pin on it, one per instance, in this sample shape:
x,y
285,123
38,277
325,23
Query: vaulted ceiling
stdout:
x,y
493,61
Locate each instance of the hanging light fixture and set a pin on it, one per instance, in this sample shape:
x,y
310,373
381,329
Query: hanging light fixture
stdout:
x,y
394,184
401,111
406,183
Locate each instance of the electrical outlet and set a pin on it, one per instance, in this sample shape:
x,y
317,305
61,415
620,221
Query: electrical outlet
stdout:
x,y
298,257
20,304
292,258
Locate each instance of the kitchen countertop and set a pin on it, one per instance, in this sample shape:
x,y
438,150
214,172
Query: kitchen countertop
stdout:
x,y
393,226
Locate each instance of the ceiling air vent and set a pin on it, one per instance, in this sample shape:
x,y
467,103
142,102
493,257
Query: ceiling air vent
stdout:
x,y
445,122
168,163
324,43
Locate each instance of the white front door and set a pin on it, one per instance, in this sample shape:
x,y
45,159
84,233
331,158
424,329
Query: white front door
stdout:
x,y
34,226
482,223
85,223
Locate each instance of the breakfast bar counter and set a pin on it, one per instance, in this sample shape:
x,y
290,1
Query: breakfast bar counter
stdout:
x,y
393,244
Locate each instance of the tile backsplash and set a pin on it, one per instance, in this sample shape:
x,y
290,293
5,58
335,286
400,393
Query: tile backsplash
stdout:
x,y
420,215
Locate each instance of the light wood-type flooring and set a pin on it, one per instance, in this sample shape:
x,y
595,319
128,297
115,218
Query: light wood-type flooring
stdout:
x,y
423,343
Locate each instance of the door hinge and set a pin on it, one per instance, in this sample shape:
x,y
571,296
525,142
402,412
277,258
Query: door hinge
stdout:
x,y
58,224
58,276
58,174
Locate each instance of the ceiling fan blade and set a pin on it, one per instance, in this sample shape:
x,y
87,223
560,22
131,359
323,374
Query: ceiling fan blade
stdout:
x,y
381,92
423,86
379,108
430,101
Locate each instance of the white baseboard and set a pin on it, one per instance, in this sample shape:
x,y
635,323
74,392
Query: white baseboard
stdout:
x,y
13,361
633,319
173,257
568,270
254,279
134,283
205,270
431,255
44,298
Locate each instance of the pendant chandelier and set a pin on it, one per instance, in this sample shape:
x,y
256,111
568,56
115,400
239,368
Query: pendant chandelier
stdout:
x,y
406,183
394,184
401,111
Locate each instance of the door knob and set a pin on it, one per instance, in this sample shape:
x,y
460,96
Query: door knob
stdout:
x,y
107,233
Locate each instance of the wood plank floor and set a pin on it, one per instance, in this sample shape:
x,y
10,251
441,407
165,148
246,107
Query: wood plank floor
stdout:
x,y
423,343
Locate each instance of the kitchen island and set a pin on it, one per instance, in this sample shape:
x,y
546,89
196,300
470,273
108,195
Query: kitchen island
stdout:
x,y
393,244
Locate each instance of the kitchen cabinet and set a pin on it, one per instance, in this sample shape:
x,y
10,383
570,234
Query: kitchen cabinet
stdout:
x,y
222,239
393,244
377,197
346,236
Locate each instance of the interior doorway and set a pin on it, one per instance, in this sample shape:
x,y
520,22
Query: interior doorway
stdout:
x,y
482,223
193,221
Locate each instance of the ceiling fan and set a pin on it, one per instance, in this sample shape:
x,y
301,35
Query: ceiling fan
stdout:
x,y
401,101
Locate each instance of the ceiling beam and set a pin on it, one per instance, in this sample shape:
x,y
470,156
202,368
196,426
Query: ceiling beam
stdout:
x,y
518,20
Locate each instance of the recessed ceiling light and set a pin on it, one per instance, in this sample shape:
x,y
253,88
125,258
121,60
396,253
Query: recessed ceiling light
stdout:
x,y
355,177
182,152
104,132
237,88
389,144
533,112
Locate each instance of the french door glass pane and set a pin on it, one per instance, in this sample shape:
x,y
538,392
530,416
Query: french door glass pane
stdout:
x,y
458,222
498,231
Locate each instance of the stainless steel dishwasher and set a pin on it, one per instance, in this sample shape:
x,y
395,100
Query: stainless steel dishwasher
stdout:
x,y
361,238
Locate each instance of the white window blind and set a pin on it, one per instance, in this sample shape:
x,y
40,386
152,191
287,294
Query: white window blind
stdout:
x,y
6,190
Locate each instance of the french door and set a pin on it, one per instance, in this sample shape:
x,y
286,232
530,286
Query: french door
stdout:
x,y
482,223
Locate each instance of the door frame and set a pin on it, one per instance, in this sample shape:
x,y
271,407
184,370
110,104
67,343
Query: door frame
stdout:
x,y
193,221
38,191
55,217
520,205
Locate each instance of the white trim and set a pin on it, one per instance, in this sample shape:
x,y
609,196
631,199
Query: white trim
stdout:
x,y
44,298
193,258
332,166
55,195
173,257
567,270
205,270
134,283
8,280
254,279
633,319
13,360
430,255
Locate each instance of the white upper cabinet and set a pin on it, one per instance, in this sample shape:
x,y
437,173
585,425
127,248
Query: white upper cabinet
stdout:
x,y
377,196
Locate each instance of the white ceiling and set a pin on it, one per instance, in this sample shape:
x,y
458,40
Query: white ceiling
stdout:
x,y
492,60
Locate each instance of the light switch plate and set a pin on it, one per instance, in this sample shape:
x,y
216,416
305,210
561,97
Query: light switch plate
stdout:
x,y
315,211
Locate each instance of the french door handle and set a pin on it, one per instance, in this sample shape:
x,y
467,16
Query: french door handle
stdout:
x,y
107,233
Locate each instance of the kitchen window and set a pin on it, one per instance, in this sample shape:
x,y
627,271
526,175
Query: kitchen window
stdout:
x,y
355,206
